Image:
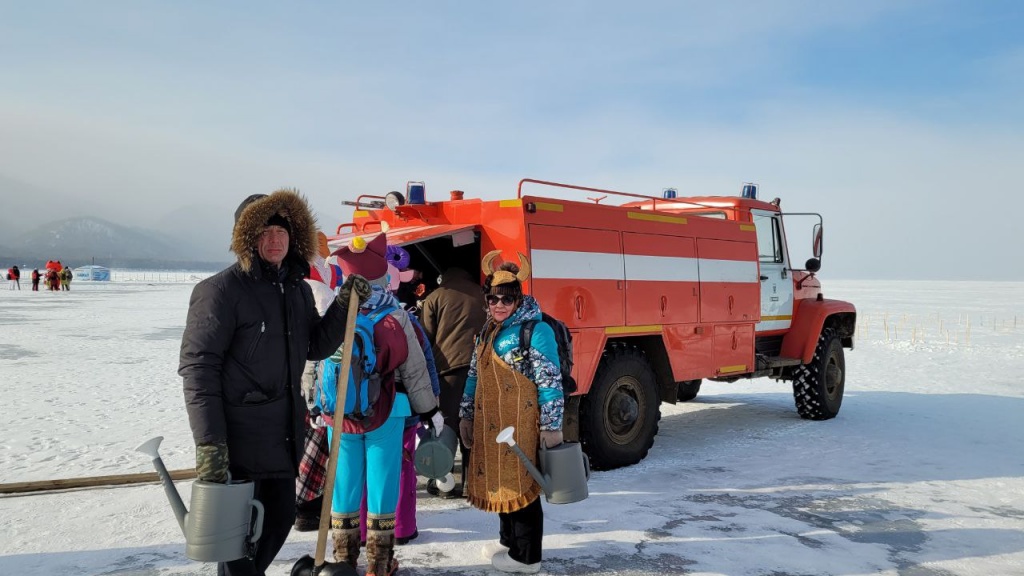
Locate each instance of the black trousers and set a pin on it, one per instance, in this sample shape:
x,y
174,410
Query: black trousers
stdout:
x,y
453,384
522,531
278,498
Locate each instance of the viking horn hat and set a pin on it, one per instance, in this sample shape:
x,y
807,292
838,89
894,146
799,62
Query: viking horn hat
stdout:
x,y
500,277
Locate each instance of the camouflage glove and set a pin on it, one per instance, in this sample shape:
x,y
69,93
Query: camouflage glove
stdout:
x,y
359,284
212,462
550,438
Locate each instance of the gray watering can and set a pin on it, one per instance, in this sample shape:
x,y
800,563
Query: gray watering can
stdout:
x,y
564,469
217,528
435,457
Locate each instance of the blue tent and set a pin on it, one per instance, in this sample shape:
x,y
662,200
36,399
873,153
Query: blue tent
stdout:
x,y
92,272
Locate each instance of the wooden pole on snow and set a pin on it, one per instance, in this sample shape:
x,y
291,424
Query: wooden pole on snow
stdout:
x,y
91,482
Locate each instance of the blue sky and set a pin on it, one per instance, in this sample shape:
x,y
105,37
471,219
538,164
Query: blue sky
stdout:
x,y
886,117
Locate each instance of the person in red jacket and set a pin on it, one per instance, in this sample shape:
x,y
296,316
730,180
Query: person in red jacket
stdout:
x,y
35,280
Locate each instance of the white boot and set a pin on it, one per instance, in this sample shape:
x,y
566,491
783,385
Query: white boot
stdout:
x,y
502,561
491,548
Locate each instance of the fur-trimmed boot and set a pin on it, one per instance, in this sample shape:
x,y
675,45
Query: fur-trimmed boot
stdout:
x,y
345,535
380,548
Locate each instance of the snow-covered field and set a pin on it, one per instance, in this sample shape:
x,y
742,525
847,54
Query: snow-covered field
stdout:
x,y
921,474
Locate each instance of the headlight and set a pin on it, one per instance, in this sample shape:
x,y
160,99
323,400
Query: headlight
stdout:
x,y
393,200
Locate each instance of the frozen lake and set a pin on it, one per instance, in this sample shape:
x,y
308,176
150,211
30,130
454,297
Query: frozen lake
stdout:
x,y
921,474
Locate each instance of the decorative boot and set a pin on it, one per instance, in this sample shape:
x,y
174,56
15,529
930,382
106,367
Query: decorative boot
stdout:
x,y
380,547
345,534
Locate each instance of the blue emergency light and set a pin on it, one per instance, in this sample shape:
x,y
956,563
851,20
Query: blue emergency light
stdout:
x,y
668,193
416,192
750,191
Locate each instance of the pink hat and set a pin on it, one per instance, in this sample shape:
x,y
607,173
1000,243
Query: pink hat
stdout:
x,y
364,258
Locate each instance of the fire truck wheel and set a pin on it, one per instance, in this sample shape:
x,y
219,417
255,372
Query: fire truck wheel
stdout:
x,y
818,387
687,390
619,415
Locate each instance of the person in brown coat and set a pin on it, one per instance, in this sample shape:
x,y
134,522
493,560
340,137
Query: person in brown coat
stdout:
x,y
518,384
453,314
52,280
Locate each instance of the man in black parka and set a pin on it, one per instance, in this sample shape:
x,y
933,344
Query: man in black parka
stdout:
x,y
249,332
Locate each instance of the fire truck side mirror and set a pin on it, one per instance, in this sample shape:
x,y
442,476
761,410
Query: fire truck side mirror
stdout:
x,y
816,242
813,265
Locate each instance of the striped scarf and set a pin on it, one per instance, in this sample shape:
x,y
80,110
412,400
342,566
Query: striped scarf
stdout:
x,y
379,296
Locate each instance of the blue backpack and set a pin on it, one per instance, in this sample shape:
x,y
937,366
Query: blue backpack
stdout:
x,y
364,381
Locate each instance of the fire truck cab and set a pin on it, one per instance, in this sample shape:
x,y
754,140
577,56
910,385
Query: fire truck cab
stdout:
x,y
658,293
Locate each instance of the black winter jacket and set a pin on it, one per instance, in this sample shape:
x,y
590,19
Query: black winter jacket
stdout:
x,y
246,341
245,345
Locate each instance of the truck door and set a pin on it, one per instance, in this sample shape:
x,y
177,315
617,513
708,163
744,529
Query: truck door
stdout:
x,y
728,281
661,279
776,285
578,275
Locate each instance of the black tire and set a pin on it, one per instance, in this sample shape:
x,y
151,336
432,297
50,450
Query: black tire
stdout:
x,y
687,390
818,387
619,415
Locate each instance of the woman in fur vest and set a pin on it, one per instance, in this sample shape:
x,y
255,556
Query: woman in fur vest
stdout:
x,y
511,383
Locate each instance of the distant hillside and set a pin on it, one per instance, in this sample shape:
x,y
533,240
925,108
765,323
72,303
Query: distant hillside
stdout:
x,y
204,230
78,241
26,205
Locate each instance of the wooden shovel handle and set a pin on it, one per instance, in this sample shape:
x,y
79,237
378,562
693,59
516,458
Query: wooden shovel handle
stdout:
x,y
339,415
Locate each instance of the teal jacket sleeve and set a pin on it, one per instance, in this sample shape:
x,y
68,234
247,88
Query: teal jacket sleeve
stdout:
x,y
547,375
466,406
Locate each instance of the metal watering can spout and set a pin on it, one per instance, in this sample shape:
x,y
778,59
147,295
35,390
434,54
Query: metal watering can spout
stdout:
x,y
564,469
505,437
151,448
225,521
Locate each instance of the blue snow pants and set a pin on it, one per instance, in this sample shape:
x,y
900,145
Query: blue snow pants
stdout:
x,y
372,461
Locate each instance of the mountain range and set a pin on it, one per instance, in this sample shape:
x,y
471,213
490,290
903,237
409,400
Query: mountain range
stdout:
x,y
37,225
89,239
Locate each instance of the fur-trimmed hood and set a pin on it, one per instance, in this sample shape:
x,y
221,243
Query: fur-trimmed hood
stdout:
x,y
249,224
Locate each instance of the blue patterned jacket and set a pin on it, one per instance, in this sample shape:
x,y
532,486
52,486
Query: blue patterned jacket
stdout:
x,y
542,366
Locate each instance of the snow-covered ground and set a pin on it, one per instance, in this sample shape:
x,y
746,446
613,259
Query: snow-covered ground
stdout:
x,y
921,474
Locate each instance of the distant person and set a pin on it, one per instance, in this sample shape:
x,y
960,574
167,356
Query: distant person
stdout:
x,y
16,276
35,280
504,390
249,331
453,314
65,278
52,280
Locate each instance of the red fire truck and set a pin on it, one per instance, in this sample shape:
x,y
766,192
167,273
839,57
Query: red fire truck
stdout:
x,y
658,293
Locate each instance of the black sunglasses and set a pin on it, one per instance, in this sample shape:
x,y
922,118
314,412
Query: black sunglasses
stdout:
x,y
493,299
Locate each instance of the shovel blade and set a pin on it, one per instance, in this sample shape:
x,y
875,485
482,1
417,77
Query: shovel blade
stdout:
x,y
306,566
